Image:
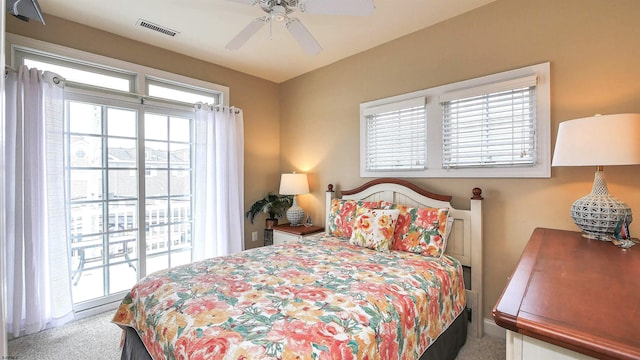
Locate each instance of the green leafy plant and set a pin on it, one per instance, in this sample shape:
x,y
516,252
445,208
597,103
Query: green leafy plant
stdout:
x,y
272,204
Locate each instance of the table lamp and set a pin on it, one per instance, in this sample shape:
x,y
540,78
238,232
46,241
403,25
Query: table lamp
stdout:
x,y
598,141
294,184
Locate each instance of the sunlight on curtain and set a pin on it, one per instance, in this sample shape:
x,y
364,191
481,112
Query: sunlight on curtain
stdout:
x,y
40,288
219,182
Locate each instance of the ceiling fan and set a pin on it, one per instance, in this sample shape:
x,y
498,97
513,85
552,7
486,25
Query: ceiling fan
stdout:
x,y
279,10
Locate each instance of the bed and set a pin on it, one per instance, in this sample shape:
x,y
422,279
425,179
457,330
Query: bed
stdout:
x,y
328,296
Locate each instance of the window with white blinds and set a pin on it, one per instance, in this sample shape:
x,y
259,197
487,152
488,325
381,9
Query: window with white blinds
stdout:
x,y
496,127
396,136
492,126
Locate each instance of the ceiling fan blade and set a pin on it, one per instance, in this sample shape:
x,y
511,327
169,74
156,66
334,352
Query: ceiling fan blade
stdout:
x,y
248,2
303,36
339,7
246,33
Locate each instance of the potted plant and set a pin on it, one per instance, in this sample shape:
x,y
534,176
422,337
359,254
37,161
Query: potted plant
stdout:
x,y
272,204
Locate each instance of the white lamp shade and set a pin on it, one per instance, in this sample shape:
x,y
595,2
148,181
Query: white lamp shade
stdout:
x,y
294,184
598,141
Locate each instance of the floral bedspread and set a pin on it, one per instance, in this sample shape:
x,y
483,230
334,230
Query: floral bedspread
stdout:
x,y
320,298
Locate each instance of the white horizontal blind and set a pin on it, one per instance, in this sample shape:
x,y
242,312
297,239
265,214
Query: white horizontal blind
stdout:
x,y
490,126
396,136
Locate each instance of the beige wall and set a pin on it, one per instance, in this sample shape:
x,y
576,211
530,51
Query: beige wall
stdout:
x,y
593,47
258,98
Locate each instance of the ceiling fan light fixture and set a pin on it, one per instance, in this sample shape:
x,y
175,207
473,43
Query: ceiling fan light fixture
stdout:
x,y
278,13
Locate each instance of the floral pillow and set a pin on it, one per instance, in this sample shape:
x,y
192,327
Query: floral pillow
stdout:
x,y
420,230
342,215
374,228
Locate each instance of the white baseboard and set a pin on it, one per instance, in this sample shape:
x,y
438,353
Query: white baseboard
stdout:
x,y
96,310
491,329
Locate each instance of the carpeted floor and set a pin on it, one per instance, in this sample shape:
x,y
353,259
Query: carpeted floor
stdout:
x,y
96,338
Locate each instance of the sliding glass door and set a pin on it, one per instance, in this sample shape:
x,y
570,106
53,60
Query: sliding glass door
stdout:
x,y
129,194
168,200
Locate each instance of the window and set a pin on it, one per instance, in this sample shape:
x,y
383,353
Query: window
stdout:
x,y
102,203
396,136
494,126
79,73
182,93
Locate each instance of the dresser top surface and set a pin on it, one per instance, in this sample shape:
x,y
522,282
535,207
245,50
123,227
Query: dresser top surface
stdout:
x,y
575,292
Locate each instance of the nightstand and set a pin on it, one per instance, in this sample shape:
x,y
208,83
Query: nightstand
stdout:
x,y
283,234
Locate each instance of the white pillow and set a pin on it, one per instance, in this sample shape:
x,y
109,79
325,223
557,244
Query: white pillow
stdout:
x,y
374,229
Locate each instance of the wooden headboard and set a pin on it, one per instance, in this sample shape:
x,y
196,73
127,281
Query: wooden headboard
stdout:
x,y
465,240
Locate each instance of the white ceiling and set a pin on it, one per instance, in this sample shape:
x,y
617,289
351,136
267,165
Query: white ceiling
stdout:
x,y
205,27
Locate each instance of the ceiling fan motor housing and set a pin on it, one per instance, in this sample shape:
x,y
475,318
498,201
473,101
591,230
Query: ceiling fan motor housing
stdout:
x,y
279,7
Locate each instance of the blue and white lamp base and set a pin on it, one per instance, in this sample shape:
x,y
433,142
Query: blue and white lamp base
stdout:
x,y
598,214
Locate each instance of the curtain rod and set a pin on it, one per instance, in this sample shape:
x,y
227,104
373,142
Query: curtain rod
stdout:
x,y
200,105
7,69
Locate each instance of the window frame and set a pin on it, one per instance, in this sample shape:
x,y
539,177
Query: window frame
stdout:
x,y
142,73
434,168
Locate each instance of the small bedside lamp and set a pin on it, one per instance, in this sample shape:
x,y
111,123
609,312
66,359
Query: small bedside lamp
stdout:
x,y
294,184
598,141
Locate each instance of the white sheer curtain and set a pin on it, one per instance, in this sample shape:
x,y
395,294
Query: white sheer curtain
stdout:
x,y
219,184
38,284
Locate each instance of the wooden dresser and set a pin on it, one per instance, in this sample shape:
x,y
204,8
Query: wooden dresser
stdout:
x,y
569,292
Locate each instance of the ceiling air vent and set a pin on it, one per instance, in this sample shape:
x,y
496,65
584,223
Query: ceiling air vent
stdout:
x,y
156,27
